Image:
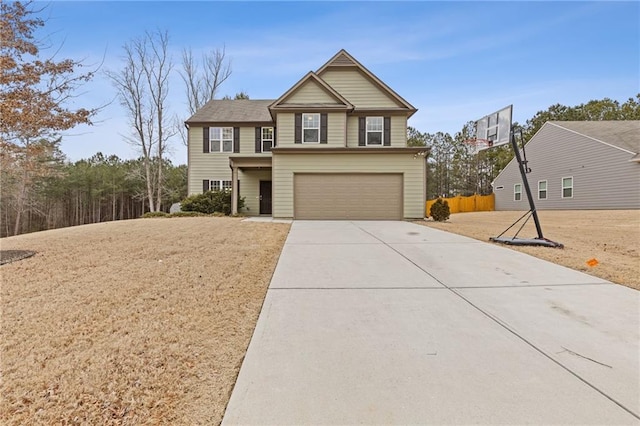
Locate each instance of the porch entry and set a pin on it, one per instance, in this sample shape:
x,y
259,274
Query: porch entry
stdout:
x,y
265,197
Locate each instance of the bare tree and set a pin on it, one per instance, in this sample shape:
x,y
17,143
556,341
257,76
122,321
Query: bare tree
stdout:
x,y
157,71
143,87
202,80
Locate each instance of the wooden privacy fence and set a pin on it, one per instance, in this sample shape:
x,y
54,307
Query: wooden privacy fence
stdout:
x,y
472,203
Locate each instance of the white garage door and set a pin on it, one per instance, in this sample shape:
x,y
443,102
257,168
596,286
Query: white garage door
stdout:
x,y
357,196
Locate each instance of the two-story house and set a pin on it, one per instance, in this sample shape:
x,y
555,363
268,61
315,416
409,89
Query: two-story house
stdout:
x,y
334,146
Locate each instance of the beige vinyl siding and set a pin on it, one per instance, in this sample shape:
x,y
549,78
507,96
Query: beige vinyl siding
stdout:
x,y
215,166
310,93
250,189
336,122
357,89
202,166
398,131
285,165
285,123
603,176
336,129
247,140
352,131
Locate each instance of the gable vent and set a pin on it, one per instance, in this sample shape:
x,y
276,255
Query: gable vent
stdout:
x,y
342,60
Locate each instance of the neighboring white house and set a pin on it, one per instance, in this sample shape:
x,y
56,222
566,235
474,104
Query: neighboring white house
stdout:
x,y
576,165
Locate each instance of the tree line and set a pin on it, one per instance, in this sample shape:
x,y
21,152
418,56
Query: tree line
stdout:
x,y
455,167
98,189
35,95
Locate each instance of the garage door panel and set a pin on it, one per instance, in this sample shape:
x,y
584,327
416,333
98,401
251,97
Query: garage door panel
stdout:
x,y
348,196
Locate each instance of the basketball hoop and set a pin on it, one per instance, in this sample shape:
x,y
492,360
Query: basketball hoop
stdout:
x,y
479,144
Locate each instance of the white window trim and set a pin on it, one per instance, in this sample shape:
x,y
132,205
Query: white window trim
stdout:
x,y
546,190
219,182
310,128
517,192
366,133
221,140
562,187
263,140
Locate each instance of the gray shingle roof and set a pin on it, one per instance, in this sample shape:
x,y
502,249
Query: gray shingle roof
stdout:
x,y
622,134
233,111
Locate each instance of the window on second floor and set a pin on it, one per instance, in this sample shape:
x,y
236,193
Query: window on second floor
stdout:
x,y
567,187
267,140
517,192
374,131
375,127
542,190
310,128
221,139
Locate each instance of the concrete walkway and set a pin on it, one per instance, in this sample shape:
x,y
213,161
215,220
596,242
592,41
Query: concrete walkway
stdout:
x,y
396,323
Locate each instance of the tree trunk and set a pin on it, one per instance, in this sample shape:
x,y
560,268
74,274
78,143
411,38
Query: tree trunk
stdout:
x,y
20,202
147,171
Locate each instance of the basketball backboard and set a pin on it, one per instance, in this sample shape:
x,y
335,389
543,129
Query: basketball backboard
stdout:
x,y
495,128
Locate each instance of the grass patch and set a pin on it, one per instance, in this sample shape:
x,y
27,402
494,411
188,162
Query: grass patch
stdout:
x,y
612,237
131,322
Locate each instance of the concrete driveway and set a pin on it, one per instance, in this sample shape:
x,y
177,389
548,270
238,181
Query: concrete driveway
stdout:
x,y
396,323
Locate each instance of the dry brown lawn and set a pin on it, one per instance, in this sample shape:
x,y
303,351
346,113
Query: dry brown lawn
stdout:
x,y
611,237
134,322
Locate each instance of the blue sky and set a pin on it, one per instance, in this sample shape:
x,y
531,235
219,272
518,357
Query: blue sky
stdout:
x,y
454,61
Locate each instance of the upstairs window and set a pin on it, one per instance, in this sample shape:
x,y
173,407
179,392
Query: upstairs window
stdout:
x,y
267,139
517,192
374,131
542,190
310,128
375,127
567,187
221,139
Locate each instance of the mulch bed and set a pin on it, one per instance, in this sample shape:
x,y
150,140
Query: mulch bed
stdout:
x,y
8,256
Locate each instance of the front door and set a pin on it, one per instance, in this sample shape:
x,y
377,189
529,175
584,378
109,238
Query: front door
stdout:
x,y
265,197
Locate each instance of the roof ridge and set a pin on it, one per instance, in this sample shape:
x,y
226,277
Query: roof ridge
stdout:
x,y
374,78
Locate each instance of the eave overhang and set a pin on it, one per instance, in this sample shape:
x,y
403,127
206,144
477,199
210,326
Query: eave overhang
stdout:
x,y
246,162
418,151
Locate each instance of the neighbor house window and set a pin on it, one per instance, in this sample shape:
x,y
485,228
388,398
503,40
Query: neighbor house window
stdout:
x,y
220,185
375,127
267,139
567,187
517,192
542,190
311,128
221,139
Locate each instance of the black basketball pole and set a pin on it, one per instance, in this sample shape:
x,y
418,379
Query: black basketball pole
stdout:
x,y
525,182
